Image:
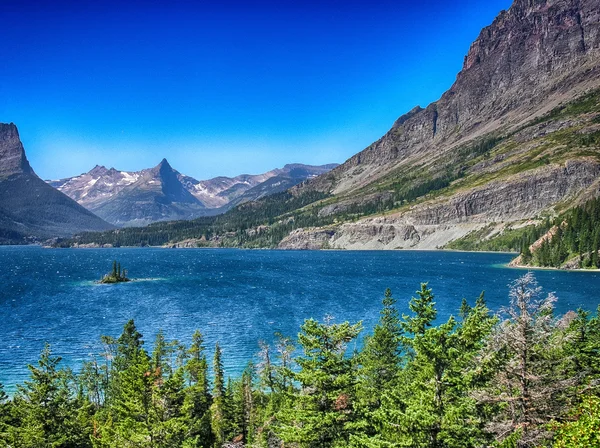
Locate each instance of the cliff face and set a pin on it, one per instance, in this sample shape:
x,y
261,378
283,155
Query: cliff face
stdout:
x,y
30,208
12,153
533,56
527,88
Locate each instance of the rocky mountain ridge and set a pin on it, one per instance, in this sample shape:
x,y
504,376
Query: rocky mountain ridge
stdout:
x,y
29,208
162,193
511,100
534,56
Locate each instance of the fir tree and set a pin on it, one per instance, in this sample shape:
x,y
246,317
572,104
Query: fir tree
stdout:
x,y
219,404
320,414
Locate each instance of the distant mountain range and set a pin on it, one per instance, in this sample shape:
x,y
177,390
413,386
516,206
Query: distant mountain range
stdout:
x,y
162,193
30,209
516,138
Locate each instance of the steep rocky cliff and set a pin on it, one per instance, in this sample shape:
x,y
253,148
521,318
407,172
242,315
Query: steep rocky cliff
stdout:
x,y
532,57
516,135
30,208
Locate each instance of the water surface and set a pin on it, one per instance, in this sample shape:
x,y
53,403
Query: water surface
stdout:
x,y
235,297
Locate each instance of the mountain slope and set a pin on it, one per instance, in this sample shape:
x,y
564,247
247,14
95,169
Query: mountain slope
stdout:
x,y
162,193
29,208
534,56
489,150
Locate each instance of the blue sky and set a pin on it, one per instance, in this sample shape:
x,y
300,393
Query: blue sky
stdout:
x,y
224,88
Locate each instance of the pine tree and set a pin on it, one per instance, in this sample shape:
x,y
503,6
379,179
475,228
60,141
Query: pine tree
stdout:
x,y
219,404
320,414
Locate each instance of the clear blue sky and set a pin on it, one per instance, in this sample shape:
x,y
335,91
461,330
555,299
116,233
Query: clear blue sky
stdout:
x,y
223,88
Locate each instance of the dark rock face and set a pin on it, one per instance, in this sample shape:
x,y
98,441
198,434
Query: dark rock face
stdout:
x,y
532,56
30,208
12,153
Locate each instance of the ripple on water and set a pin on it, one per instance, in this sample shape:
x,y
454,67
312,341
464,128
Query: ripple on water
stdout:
x,y
235,297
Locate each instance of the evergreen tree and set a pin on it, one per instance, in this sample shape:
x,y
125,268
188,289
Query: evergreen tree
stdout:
x,y
219,405
198,400
424,311
47,409
320,414
380,362
127,346
429,405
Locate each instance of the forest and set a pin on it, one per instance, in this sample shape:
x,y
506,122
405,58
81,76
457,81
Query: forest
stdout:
x,y
576,235
522,377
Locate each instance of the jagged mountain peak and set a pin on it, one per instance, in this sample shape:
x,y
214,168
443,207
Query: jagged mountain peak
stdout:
x,y
98,170
161,192
30,208
12,154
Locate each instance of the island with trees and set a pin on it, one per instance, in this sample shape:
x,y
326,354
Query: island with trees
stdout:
x,y
116,276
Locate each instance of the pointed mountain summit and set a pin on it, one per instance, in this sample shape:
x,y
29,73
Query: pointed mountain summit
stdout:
x,y
162,193
12,153
171,186
29,207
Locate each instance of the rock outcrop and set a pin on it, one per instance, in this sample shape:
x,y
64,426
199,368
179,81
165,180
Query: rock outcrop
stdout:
x,y
532,57
12,153
30,209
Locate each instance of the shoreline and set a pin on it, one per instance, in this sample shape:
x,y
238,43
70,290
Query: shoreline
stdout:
x,y
549,268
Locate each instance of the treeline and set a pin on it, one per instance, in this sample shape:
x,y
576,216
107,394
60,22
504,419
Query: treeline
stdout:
x,y
279,213
574,235
527,379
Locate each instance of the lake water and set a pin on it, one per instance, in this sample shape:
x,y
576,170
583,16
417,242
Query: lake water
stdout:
x,y
235,297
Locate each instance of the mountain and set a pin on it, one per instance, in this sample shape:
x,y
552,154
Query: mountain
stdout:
x,y
162,193
29,208
516,138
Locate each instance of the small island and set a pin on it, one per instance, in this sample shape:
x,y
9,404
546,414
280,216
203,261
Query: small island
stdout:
x,y
116,276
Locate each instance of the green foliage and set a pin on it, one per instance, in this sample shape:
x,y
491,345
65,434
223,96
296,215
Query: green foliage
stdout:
x,y
424,311
576,236
116,276
464,383
324,406
583,430
47,411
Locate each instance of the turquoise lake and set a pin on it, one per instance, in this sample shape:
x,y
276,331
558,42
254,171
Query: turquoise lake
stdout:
x,y
235,297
